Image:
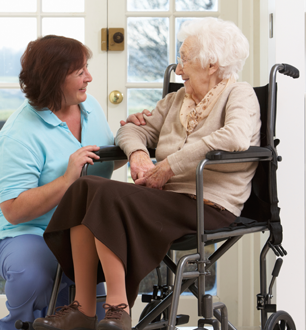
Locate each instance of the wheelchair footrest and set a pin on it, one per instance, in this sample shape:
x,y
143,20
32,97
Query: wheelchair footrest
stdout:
x,y
182,319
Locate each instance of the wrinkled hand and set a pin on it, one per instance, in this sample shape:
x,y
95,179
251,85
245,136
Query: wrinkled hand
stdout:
x,y
140,163
156,177
136,118
77,160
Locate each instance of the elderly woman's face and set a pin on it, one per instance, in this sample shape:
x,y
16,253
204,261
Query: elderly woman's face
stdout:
x,y
197,80
74,87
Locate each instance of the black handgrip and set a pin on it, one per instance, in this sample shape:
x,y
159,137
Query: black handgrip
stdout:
x,y
252,152
290,71
108,153
277,267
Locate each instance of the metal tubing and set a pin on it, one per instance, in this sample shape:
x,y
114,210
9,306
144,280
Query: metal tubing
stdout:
x,y
167,75
200,233
56,286
71,293
224,315
84,169
263,279
217,315
236,232
177,287
170,275
164,304
271,103
170,263
270,289
101,298
194,274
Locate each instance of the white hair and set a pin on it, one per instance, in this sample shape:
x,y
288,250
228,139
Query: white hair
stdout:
x,y
218,41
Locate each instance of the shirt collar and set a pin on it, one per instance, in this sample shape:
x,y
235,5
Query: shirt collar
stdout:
x,y
48,116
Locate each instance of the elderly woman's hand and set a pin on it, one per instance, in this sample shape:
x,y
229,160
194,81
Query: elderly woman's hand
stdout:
x,y
136,118
140,163
156,177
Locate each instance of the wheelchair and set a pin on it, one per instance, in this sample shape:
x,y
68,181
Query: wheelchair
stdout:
x,y
260,214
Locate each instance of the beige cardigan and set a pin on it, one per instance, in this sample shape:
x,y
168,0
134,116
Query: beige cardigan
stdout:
x,y
233,125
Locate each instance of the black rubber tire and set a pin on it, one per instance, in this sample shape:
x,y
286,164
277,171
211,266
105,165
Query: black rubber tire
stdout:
x,y
280,320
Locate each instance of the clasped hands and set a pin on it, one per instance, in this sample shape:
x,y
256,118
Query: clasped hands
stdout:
x,y
145,173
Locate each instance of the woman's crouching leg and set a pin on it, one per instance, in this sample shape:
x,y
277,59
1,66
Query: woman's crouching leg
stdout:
x,y
28,267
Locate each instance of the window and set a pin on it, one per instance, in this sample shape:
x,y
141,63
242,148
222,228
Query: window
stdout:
x,y
24,21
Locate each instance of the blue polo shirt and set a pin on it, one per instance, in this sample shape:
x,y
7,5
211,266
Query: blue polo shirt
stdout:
x,y
34,150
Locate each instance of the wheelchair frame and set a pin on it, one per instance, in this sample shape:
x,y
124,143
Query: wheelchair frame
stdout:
x,y
168,304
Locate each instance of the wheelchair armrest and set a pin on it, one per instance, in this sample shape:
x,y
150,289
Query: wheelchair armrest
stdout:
x,y
108,153
252,152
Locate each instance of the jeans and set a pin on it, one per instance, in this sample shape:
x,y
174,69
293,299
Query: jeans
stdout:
x,y
28,267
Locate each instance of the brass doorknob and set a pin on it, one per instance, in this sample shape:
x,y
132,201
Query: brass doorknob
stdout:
x,y
116,97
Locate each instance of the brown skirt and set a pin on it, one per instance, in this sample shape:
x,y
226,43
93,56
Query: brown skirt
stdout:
x,y
137,223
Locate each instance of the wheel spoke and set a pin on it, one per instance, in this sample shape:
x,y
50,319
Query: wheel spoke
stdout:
x,y
283,325
277,327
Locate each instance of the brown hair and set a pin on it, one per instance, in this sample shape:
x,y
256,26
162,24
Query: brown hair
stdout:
x,y
45,64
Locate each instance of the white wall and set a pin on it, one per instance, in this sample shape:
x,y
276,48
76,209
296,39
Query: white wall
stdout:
x,y
289,35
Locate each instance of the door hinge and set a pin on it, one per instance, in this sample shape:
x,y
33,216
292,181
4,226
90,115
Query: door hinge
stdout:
x,y
112,39
271,26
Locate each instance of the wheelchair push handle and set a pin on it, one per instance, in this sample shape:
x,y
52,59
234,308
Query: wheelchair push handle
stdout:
x,y
289,70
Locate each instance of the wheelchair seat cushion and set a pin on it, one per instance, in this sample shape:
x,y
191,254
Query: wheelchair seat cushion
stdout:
x,y
137,223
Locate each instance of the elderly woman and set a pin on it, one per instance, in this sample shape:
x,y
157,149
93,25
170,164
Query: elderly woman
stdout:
x,y
43,147
124,230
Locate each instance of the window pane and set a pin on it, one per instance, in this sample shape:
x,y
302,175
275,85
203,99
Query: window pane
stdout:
x,y
196,5
147,48
71,27
139,5
142,98
63,6
11,99
18,5
18,33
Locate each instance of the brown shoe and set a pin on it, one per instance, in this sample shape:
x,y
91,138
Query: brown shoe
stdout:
x,y
116,318
66,318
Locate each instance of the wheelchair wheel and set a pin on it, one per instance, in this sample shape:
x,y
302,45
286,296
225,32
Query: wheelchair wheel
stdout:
x,y
280,320
151,305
